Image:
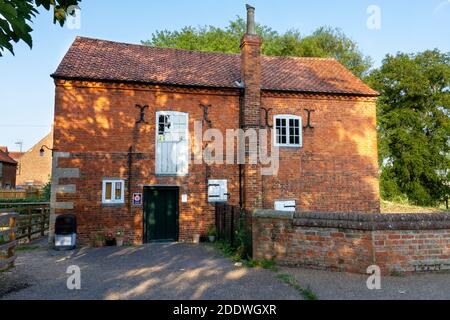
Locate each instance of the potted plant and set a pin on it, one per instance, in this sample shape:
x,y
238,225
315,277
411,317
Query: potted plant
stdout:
x,y
212,233
99,240
120,236
109,239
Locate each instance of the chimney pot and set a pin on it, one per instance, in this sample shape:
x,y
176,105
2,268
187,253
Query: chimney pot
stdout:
x,y
250,20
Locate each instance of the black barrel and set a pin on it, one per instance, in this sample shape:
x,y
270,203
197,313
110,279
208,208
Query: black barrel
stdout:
x,y
66,224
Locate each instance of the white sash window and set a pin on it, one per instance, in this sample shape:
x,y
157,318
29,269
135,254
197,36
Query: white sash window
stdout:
x,y
288,131
172,143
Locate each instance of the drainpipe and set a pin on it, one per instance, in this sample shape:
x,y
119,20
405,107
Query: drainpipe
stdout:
x,y
241,166
130,164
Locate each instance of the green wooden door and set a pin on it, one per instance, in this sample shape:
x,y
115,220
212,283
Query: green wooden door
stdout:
x,y
161,214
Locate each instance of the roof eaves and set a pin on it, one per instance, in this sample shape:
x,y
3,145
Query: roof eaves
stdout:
x,y
7,159
235,87
172,84
326,92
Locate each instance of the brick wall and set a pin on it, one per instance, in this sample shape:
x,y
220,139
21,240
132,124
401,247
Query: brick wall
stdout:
x,y
418,250
352,242
34,169
336,170
95,125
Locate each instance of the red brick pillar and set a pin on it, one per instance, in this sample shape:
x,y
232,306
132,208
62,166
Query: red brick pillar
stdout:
x,y
251,113
251,78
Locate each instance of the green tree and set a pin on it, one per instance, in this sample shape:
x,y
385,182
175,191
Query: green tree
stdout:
x,y
46,190
17,15
414,125
324,42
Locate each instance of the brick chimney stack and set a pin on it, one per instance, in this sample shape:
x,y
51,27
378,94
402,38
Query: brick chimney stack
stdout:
x,y
251,72
251,108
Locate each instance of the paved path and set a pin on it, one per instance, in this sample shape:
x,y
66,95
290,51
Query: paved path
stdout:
x,y
155,271
181,271
343,286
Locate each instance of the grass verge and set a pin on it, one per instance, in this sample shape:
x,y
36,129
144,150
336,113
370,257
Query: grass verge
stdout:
x,y
228,251
405,207
396,273
264,264
7,269
306,293
26,248
234,255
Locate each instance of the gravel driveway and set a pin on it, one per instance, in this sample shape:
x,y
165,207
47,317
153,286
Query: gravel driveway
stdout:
x,y
155,271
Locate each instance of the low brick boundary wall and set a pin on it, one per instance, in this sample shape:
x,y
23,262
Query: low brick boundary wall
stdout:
x,y
352,242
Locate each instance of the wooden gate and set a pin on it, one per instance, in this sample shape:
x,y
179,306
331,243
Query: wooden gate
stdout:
x,y
7,239
234,226
32,221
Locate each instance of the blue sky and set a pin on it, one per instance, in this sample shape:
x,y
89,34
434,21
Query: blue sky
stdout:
x,y
27,91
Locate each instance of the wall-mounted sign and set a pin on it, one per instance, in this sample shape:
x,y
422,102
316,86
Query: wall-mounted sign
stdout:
x,y
184,198
285,205
137,199
217,191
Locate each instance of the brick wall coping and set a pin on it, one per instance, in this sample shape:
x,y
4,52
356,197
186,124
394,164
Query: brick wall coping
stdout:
x,y
362,221
273,214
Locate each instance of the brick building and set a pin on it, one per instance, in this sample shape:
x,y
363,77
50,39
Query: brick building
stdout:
x,y
122,111
35,169
8,168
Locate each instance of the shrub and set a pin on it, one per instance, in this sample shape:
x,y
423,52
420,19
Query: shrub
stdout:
x,y
46,191
211,231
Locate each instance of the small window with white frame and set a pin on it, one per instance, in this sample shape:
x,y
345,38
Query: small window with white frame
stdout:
x,y
288,131
113,192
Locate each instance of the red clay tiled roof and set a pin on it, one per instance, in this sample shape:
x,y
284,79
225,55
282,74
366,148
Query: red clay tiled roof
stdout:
x,y
92,59
16,155
5,158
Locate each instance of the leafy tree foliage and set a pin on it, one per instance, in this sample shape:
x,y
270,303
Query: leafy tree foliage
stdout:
x,y
17,15
324,42
47,190
414,125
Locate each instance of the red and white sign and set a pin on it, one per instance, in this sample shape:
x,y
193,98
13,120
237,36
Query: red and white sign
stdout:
x,y
137,199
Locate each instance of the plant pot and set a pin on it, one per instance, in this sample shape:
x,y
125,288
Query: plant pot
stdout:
x,y
212,238
196,239
98,243
110,242
119,242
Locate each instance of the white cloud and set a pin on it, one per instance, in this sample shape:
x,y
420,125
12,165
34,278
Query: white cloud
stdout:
x,y
442,5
